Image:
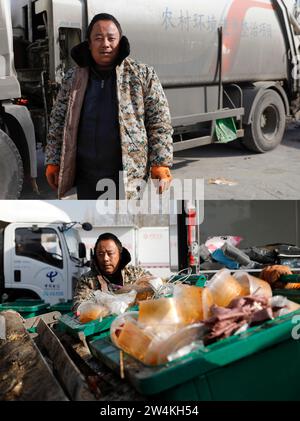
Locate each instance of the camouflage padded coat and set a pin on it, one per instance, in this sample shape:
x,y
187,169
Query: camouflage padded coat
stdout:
x,y
144,124
93,281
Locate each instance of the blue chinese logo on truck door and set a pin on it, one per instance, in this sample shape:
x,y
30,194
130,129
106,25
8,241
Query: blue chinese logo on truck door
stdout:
x,y
52,275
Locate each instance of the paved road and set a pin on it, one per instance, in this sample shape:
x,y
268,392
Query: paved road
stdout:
x,y
45,192
273,175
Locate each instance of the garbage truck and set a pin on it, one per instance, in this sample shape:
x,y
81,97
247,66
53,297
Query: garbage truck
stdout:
x,y
41,253
230,69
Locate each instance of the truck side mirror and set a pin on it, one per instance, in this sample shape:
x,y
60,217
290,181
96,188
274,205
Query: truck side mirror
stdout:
x,y
81,251
86,226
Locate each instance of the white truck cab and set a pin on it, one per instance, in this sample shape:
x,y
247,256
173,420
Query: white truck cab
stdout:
x,y
40,259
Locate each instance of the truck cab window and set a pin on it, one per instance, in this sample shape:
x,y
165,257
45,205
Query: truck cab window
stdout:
x,y
42,245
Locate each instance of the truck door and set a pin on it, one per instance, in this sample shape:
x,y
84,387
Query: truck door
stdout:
x,y
38,264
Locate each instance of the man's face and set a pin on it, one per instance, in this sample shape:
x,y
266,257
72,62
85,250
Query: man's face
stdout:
x,y
104,43
108,256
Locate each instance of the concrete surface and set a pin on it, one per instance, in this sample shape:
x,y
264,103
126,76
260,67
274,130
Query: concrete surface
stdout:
x,y
273,175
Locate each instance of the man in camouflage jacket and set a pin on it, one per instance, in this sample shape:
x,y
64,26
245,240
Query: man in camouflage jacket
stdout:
x,y
144,123
110,270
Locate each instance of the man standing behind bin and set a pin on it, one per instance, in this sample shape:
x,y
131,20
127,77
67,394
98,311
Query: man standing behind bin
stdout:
x,y
110,270
111,115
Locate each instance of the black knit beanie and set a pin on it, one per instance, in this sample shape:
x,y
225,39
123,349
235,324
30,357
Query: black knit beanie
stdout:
x,y
102,16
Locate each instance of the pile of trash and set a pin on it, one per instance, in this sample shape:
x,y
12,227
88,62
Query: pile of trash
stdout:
x,y
104,303
167,328
164,325
242,313
223,251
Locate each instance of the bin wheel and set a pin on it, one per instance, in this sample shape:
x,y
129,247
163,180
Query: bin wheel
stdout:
x,y
11,168
268,123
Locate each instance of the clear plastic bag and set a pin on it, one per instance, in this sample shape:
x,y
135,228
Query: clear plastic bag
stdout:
x,y
144,288
253,285
224,288
281,305
193,302
161,311
235,254
214,243
185,350
116,303
153,344
189,304
119,322
127,335
89,311
161,351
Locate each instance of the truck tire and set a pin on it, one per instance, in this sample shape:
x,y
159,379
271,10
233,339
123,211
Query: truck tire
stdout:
x,y
268,123
11,168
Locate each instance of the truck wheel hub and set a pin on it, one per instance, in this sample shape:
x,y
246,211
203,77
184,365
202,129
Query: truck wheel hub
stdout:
x,y
269,122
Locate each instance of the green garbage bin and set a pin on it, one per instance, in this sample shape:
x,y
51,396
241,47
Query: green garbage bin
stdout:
x,y
262,363
94,329
63,308
198,280
26,307
291,294
70,324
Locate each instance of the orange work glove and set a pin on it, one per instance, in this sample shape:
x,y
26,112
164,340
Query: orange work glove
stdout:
x,y
52,172
164,176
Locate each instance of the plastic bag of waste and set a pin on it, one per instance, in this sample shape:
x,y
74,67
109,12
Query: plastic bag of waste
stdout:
x,y
281,305
161,311
128,335
180,343
214,243
253,285
287,250
145,287
194,302
116,303
189,304
119,322
224,288
204,253
261,255
235,254
185,350
154,344
89,311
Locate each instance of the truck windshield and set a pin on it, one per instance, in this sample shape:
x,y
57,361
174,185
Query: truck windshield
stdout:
x,y
72,239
